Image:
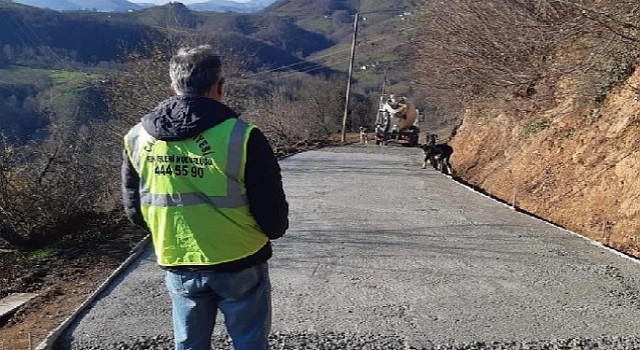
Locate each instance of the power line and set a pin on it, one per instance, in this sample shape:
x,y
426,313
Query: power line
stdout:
x,y
296,64
341,51
345,59
34,40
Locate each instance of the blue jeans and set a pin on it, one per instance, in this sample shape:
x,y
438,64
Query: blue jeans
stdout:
x,y
243,297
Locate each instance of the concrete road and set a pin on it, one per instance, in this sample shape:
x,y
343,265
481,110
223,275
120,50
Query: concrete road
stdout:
x,y
381,249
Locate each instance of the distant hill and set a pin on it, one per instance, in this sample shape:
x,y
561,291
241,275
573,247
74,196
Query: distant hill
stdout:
x,y
288,32
270,40
58,5
334,18
384,37
311,37
51,38
306,8
41,34
90,5
106,5
231,6
124,5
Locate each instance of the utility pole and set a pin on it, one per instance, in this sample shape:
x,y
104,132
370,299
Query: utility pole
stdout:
x,y
347,98
384,83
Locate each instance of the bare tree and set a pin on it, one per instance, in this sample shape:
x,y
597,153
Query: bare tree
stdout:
x,y
297,110
473,44
470,49
47,185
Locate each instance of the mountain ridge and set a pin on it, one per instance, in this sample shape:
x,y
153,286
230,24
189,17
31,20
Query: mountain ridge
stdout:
x,y
83,5
231,6
126,6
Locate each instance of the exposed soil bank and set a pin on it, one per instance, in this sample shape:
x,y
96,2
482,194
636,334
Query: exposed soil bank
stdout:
x,y
573,164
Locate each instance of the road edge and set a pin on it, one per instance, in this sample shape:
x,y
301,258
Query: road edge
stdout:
x,y
471,188
51,339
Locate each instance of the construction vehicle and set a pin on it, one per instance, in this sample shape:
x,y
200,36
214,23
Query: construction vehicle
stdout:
x,y
397,121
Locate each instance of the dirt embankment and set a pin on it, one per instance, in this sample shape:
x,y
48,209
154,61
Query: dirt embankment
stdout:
x,y
572,164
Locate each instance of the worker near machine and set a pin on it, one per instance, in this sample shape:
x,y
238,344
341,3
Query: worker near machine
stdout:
x,y
396,101
208,187
403,114
401,109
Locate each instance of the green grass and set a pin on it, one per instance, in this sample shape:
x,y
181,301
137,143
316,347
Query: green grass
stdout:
x,y
35,76
390,58
66,77
12,5
34,257
318,24
61,91
535,126
24,75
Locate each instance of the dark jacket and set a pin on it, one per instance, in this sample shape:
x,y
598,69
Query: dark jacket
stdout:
x,y
182,117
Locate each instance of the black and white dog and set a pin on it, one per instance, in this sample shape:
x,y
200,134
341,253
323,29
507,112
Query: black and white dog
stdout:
x,y
431,139
364,135
438,156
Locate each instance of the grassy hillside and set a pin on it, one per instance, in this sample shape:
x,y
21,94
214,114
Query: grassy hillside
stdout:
x,y
31,99
49,38
89,41
269,40
309,9
385,33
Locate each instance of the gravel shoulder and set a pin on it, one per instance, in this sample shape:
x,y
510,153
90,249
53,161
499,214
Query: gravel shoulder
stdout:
x,y
384,255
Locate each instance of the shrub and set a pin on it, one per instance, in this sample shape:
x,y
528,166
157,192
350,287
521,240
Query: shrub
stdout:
x,y
622,68
45,186
535,126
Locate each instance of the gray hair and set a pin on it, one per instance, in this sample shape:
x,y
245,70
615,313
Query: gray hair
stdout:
x,y
195,70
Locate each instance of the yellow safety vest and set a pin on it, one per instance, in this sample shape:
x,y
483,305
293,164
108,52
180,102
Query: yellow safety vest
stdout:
x,y
193,196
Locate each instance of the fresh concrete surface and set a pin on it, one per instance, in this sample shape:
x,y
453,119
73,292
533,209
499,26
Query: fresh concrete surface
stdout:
x,y
379,246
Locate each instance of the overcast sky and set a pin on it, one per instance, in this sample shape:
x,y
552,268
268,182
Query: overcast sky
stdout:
x,y
161,2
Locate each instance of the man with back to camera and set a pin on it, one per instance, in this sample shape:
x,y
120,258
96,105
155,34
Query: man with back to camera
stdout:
x,y
208,187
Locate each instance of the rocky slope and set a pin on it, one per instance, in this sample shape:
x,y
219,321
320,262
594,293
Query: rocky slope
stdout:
x,y
571,163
